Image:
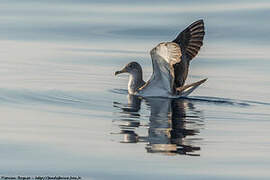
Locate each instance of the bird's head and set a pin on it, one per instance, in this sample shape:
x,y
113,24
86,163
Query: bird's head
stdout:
x,y
131,68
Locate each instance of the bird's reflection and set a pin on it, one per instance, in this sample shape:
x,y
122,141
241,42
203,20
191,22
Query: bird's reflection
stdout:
x,y
171,126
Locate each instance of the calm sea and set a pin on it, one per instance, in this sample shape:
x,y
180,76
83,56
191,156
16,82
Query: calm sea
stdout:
x,y
64,113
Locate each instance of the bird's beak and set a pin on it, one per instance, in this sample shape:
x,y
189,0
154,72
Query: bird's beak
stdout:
x,y
119,72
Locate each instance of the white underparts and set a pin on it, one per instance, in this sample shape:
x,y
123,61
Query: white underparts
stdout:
x,y
131,84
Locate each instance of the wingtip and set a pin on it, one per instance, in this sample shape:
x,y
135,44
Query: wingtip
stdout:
x,y
193,85
195,23
201,81
204,80
200,20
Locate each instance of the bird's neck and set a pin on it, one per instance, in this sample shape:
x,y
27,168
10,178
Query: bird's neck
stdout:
x,y
135,82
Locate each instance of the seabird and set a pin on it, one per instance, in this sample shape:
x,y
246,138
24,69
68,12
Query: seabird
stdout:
x,y
170,62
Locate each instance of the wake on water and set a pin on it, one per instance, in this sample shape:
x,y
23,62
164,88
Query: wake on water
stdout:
x,y
207,99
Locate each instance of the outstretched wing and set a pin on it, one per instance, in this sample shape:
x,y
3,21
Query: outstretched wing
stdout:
x,y
190,40
164,57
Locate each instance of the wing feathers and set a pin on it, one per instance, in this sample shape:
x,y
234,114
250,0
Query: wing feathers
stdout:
x,y
191,52
196,44
199,25
169,51
190,38
198,30
174,53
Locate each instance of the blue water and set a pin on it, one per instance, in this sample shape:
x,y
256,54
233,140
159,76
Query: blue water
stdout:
x,y
63,112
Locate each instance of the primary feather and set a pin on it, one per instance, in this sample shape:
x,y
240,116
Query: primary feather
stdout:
x,y
190,40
